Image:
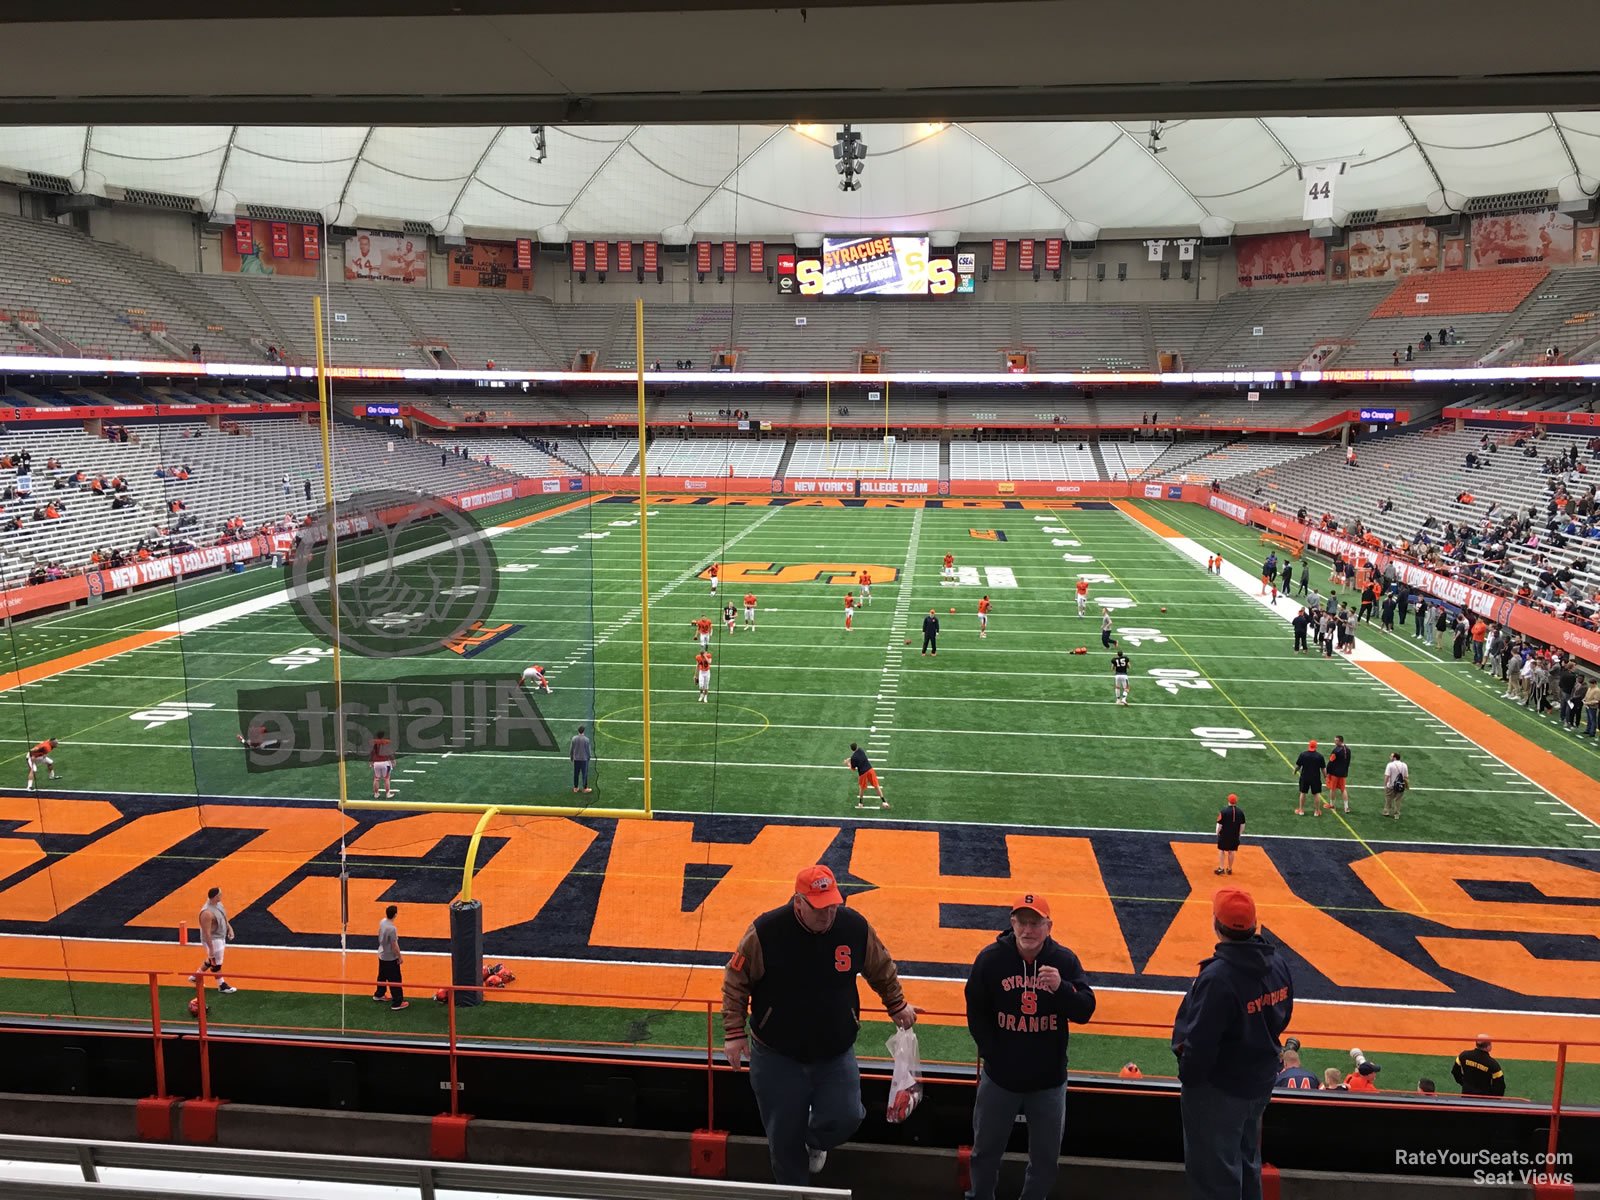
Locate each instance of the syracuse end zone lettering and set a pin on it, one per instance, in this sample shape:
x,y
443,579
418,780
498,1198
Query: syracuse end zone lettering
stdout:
x,y
831,572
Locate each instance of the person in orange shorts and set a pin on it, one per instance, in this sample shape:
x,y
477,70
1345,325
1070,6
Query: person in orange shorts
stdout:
x,y
866,777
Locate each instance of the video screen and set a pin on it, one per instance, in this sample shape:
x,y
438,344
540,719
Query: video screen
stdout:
x,y
875,266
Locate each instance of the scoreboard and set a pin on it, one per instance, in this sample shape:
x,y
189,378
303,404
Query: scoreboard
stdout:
x,y
883,265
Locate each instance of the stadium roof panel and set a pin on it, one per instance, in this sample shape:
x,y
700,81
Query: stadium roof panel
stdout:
x,y
774,181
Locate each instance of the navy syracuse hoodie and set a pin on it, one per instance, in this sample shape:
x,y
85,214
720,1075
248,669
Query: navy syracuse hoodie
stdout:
x,y
1022,1033
1227,1029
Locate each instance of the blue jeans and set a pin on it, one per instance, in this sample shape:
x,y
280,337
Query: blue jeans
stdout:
x,y
804,1107
1221,1143
994,1115
580,773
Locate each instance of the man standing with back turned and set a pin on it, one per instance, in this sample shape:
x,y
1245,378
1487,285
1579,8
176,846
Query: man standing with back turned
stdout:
x,y
1226,1040
789,1002
1022,991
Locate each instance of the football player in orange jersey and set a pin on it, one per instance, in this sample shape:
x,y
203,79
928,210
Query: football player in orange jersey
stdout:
x,y
849,610
714,575
1083,596
750,611
702,673
865,583
949,571
702,628
983,617
41,754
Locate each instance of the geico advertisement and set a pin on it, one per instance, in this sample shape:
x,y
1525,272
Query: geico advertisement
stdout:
x,y
876,266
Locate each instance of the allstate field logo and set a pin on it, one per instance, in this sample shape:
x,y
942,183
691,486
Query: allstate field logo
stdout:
x,y
415,575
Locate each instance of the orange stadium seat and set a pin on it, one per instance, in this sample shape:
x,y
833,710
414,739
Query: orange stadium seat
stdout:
x,y
1462,293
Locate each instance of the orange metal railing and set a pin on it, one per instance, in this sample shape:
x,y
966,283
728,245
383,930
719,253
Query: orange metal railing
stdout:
x,y
454,1050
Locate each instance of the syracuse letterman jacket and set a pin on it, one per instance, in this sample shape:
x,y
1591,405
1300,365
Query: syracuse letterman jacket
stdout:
x,y
794,991
1020,1030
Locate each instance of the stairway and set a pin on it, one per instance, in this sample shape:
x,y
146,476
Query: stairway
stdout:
x,y
1100,467
782,468
282,339
944,460
513,311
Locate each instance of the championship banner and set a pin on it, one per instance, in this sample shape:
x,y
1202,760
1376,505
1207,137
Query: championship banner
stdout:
x,y
310,242
702,259
1025,254
580,256
730,258
392,257
524,254
1319,183
602,257
758,257
491,265
1531,237
650,259
997,254
624,256
280,240
250,251
1275,259
1393,251
1052,254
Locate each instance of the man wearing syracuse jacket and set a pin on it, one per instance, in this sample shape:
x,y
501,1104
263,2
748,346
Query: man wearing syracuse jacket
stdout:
x,y
1226,1039
1022,991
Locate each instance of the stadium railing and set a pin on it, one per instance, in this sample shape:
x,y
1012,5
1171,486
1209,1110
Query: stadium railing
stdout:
x,y
457,1049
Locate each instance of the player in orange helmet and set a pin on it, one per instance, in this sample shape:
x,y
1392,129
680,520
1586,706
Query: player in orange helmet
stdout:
x,y
534,678
702,674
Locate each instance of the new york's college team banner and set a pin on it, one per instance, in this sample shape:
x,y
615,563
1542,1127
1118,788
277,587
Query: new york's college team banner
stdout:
x,y
393,257
494,265
1274,259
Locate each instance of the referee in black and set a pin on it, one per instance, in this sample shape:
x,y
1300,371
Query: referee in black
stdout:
x,y
1301,623
930,635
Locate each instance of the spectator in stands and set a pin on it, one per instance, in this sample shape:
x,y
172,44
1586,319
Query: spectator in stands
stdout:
x,y
1365,1077
1452,332
1477,1071
1397,358
806,1015
1427,341
1444,336
1408,353
196,353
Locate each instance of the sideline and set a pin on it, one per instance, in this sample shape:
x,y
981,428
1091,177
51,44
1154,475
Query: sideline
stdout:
x,y
590,984
162,633
1561,779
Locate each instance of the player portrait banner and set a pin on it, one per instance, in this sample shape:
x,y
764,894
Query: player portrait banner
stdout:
x,y
758,257
625,256
251,250
1586,246
1531,237
492,265
390,257
1393,251
1278,259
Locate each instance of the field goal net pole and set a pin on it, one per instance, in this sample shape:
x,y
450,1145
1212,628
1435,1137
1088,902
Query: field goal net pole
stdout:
x,y
644,548
329,506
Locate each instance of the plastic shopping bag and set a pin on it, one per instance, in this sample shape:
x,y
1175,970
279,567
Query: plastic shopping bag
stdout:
x,y
905,1089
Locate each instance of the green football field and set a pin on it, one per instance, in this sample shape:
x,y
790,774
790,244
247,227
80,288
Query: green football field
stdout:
x,y
995,739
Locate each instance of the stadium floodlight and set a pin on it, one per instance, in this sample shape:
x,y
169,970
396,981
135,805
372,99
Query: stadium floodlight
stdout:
x,y
538,143
849,158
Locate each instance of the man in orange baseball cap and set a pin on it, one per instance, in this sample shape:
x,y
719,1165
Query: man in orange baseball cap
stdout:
x,y
1226,1037
1022,992
796,968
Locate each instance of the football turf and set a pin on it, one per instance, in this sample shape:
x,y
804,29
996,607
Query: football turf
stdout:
x,y
989,740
